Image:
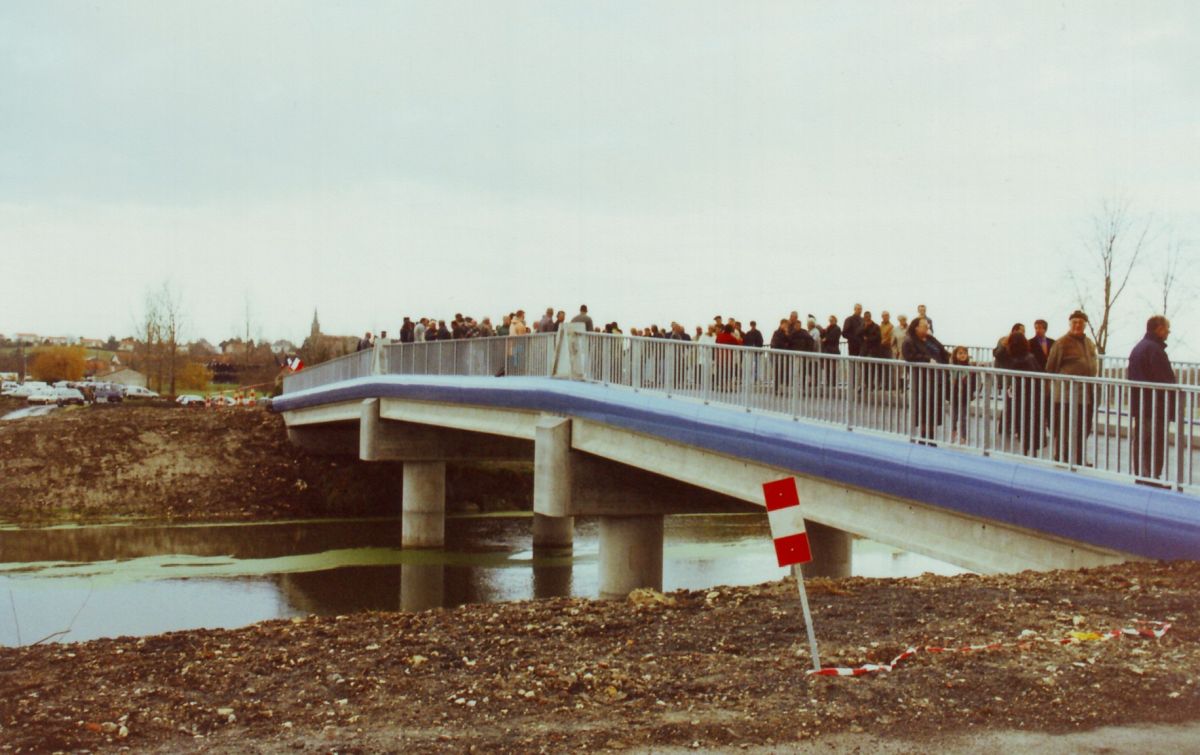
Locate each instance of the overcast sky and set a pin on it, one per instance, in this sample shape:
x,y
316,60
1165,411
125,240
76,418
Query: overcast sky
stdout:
x,y
658,160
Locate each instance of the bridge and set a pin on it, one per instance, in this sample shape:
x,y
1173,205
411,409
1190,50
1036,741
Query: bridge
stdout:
x,y
932,459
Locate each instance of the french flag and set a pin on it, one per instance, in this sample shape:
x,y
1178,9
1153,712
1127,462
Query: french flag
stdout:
x,y
787,525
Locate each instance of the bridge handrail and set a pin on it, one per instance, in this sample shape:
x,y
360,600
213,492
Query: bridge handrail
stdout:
x,y
352,365
529,355
1111,365
978,408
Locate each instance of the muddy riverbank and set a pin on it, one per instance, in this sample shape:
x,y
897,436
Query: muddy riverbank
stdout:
x,y
161,462
714,669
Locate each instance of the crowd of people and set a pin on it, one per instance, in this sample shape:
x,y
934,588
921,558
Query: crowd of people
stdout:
x,y
1029,409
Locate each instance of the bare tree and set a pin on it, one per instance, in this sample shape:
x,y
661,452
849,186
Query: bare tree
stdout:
x,y
1173,266
170,306
148,351
1116,242
246,312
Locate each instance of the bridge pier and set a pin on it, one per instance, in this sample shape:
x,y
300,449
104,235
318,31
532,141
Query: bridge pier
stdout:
x,y
553,528
423,519
631,554
831,550
553,532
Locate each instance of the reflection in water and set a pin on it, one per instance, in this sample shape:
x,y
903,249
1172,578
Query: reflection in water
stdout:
x,y
140,579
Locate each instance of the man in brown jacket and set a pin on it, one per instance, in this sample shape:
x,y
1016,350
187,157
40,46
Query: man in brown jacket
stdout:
x,y
1073,354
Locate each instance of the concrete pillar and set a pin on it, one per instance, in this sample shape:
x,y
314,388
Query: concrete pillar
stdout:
x,y
830,549
552,528
422,586
368,430
423,522
631,554
553,532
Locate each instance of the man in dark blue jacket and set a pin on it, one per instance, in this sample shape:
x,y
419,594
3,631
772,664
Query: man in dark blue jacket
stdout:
x,y
1151,408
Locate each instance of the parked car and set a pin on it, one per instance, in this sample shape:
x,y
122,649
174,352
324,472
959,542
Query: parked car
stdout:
x,y
108,393
66,396
190,399
137,391
44,395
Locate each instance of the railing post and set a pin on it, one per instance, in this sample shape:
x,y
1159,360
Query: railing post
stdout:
x,y
851,380
669,356
635,354
988,390
747,376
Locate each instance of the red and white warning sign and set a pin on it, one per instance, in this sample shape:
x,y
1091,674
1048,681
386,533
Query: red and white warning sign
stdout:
x,y
791,543
787,525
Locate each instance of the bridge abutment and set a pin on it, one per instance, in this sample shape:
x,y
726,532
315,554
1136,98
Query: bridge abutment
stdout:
x,y
423,523
831,550
631,554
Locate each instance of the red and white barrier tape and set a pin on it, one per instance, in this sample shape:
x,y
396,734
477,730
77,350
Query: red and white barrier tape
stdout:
x,y
1152,629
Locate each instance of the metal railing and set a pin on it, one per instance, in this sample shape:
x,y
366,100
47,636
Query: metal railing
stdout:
x,y
1111,366
1143,431
334,370
529,356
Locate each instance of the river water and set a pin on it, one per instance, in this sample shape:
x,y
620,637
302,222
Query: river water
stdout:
x,y
108,581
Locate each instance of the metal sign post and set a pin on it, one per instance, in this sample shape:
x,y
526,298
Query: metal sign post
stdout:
x,y
791,544
808,622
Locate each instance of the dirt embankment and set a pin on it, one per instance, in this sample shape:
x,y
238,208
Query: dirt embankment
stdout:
x,y
160,461
713,669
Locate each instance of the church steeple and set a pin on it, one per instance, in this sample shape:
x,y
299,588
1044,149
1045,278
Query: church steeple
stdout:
x,y
316,325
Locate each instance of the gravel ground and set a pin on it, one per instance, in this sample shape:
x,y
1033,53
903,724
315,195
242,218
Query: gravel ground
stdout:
x,y
713,670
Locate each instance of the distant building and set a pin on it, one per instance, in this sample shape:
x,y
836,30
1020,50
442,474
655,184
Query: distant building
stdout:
x,y
202,347
91,343
127,344
123,376
58,340
29,339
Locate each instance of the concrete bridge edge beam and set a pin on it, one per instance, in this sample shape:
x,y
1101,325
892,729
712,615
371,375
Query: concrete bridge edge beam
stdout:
x,y
423,517
631,554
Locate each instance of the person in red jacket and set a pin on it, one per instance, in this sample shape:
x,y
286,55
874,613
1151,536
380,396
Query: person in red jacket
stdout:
x,y
728,361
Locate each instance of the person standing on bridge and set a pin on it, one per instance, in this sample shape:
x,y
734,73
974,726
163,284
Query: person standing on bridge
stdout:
x,y
831,343
901,333
546,324
584,318
920,347
1151,408
852,331
1071,419
871,340
781,341
921,313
